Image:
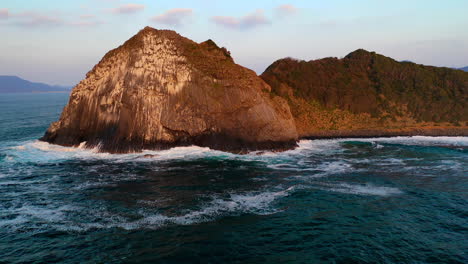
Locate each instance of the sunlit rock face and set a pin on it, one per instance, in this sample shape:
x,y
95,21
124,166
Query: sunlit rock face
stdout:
x,y
160,90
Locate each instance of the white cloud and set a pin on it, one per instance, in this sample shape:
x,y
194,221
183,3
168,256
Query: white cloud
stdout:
x,y
127,9
35,19
173,17
86,20
85,23
4,14
252,20
286,10
87,16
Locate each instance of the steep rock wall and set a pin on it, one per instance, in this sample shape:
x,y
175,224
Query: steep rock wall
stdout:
x,y
160,90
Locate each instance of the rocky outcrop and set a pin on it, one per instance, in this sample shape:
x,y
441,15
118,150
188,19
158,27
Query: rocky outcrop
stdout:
x,y
367,94
160,90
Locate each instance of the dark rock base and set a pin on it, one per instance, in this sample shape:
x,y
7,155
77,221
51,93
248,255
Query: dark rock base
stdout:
x,y
226,143
213,141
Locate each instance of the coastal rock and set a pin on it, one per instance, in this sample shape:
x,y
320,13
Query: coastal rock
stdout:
x,y
160,90
367,94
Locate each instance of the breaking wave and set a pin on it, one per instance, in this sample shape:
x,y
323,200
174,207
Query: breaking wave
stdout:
x,y
362,189
40,151
267,180
62,216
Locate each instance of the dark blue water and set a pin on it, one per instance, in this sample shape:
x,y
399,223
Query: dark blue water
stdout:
x,y
394,200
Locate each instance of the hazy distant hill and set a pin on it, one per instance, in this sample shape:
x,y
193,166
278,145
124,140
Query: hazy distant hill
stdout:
x,y
14,84
464,69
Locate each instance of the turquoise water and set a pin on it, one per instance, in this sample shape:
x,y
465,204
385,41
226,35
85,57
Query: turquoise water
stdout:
x,y
382,200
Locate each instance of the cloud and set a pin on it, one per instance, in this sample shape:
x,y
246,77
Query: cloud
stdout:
x,y
4,14
34,19
127,9
85,23
173,17
249,21
87,16
286,10
86,20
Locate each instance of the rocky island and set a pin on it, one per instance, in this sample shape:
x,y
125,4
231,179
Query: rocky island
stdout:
x,y
159,90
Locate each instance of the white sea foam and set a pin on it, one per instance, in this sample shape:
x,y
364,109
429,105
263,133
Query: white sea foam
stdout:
x,y
19,147
393,161
44,152
58,216
367,189
334,167
148,216
452,165
328,146
288,167
26,213
254,202
19,182
38,151
92,185
377,146
415,140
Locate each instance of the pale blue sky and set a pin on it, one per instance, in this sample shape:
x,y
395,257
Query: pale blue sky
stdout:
x,y
57,41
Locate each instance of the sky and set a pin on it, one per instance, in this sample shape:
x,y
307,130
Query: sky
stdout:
x,y
58,42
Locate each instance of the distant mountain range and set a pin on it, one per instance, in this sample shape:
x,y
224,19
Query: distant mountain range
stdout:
x,y
14,84
464,69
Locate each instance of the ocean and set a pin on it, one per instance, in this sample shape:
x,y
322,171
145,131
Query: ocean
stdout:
x,y
375,200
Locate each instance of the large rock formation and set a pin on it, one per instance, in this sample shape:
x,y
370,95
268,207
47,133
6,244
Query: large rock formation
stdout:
x,y
367,94
160,89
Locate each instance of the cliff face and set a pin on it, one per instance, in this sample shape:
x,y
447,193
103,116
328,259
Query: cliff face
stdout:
x,y
160,89
369,91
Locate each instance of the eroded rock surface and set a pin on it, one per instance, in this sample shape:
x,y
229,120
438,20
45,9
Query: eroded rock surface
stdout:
x,y
160,90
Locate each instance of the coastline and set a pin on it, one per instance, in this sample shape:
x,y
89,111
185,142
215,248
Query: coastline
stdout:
x,y
402,132
228,145
36,92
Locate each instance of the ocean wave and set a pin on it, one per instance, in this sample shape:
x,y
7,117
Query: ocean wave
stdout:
x,y
39,151
334,167
61,217
359,189
25,213
43,152
259,203
415,140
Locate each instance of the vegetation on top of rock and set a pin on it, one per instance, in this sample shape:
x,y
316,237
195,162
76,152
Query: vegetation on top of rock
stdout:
x,y
366,83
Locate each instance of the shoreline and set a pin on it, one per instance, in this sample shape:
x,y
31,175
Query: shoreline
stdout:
x,y
404,132
35,92
322,135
